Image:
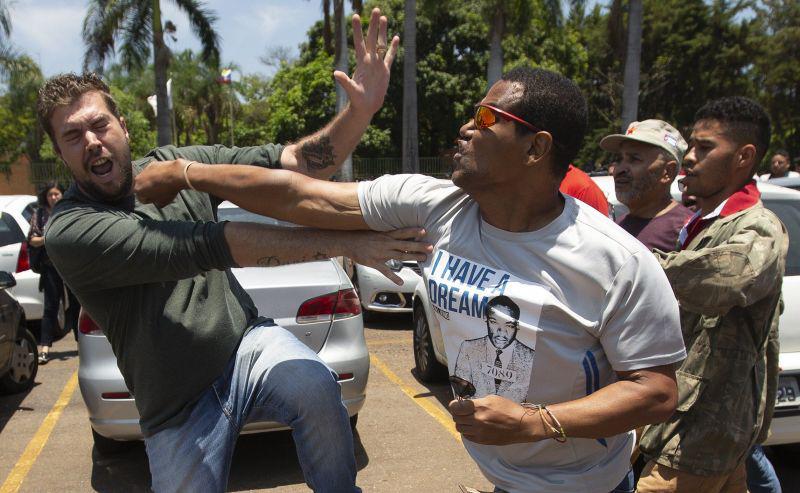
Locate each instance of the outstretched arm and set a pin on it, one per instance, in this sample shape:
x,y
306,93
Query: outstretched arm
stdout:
x,y
320,155
281,194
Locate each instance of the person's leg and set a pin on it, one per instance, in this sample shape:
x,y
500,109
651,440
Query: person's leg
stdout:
x,y
657,478
196,455
761,477
52,297
278,378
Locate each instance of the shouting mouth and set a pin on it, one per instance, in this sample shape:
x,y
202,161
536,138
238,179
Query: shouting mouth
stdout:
x,y
101,167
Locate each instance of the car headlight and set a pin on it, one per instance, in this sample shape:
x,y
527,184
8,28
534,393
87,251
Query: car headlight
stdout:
x,y
395,265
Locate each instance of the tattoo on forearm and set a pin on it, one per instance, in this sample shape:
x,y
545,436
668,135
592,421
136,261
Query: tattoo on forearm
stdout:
x,y
318,153
274,261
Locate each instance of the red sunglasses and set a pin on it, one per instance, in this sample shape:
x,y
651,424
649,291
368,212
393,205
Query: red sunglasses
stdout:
x,y
486,116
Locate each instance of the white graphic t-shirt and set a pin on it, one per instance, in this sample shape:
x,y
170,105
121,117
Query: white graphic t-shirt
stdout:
x,y
545,316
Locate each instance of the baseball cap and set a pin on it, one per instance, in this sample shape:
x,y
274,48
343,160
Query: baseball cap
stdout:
x,y
654,132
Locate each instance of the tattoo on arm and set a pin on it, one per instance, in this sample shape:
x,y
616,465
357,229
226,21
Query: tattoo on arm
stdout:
x,y
274,261
318,153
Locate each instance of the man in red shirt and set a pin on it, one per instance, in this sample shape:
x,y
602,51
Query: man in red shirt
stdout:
x,y
577,184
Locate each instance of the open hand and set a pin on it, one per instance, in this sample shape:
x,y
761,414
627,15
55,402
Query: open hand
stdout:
x,y
367,89
375,249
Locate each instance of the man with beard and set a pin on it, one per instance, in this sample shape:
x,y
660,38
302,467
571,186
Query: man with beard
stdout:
x,y
188,339
650,154
727,277
597,308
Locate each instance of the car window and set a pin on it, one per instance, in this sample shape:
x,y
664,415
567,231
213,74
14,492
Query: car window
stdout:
x,y
241,215
788,211
28,211
9,230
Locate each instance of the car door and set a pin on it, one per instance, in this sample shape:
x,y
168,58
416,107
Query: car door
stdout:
x,y
10,238
8,322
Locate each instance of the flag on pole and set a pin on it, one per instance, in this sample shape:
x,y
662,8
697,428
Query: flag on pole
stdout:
x,y
225,76
153,101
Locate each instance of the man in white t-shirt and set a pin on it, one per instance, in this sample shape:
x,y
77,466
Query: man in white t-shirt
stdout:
x,y
594,305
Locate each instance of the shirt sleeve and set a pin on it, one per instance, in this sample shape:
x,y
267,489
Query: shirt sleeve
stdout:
x,y
400,201
738,272
267,156
95,249
640,325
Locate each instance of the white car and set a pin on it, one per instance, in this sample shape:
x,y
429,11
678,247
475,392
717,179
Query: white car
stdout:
x,y
14,225
379,294
431,362
314,300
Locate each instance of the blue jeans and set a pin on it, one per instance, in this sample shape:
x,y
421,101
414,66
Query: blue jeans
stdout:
x,y
761,477
273,377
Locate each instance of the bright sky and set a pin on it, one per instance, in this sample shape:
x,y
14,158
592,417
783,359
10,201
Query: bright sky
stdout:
x,y
49,31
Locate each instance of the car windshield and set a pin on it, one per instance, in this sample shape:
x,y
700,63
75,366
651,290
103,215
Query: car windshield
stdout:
x,y
241,215
788,211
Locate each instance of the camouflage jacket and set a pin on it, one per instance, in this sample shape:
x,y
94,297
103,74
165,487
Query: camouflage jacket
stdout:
x,y
728,283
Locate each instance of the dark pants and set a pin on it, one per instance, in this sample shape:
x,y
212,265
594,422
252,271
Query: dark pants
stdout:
x,y
761,477
53,287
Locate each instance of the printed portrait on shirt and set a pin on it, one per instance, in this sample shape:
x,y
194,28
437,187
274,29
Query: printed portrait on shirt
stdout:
x,y
488,319
497,363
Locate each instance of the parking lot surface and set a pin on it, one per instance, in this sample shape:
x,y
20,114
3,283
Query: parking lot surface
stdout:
x,y
404,440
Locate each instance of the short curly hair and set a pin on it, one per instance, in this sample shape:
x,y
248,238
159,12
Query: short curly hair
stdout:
x,y
553,103
63,90
745,121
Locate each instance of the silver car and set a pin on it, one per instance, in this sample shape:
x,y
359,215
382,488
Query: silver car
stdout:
x,y
315,301
380,295
431,362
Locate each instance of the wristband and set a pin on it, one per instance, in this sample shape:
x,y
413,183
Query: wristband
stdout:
x,y
186,174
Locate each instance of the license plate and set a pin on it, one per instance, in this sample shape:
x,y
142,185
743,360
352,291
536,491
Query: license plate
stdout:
x,y
788,392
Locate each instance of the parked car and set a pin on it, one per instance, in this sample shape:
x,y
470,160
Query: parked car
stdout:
x,y
431,362
15,221
380,295
315,301
790,182
18,361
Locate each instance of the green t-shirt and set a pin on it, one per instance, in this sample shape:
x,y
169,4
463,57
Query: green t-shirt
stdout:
x,y
158,282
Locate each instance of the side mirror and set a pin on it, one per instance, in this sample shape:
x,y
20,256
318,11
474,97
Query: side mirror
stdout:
x,y
7,280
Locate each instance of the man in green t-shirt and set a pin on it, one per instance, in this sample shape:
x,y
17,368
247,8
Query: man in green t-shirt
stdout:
x,y
188,339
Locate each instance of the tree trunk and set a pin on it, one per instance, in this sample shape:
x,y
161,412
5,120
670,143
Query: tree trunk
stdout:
x,y
160,66
633,58
496,31
410,116
341,63
327,35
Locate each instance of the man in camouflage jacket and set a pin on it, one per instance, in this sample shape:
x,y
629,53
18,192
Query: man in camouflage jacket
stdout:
x,y
727,278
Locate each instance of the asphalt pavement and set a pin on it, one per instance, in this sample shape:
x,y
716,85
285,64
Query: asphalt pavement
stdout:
x,y
404,440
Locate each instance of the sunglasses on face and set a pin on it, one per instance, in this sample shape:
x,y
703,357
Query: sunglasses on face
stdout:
x,y
486,115
462,388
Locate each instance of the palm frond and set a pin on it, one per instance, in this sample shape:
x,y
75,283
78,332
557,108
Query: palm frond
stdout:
x,y
137,37
103,21
202,21
5,20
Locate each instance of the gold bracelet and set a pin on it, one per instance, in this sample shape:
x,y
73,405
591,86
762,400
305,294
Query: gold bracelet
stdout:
x,y
559,430
186,174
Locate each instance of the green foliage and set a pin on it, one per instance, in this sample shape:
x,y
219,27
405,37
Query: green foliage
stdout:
x,y
19,129
142,135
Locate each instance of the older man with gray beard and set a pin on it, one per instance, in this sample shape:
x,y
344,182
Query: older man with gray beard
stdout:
x,y
650,154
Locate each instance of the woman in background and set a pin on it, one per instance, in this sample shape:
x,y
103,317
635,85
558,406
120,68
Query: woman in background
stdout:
x,y
49,280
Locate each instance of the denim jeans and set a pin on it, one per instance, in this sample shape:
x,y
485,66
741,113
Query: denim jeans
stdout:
x,y
272,377
761,477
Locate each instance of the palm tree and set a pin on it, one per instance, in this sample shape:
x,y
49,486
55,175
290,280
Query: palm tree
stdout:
x,y
410,122
510,16
7,54
633,59
137,26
